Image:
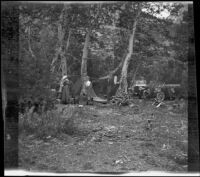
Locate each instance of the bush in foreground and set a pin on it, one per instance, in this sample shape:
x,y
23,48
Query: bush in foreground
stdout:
x,y
50,123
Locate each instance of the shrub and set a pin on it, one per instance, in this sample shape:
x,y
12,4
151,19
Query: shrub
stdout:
x,y
50,123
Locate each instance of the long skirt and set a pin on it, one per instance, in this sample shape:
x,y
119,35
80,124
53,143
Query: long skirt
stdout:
x,y
65,95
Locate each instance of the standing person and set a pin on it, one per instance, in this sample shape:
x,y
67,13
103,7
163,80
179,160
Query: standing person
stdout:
x,y
61,85
65,90
87,84
87,91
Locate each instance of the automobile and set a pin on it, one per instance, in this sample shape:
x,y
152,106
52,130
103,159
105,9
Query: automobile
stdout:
x,y
140,89
171,91
158,91
163,92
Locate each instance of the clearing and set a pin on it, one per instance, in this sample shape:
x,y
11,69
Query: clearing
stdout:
x,y
108,138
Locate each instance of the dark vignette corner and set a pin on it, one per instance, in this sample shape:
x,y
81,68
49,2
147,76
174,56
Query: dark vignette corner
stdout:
x,y
193,128
9,73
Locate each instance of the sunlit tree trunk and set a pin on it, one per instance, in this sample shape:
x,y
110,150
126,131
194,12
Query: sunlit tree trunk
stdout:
x,y
123,86
84,58
85,55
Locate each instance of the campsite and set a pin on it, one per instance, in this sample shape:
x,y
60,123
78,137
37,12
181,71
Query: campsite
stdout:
x,y
106,139
103,87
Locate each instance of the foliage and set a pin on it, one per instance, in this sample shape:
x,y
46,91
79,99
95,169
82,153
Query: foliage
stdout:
x,y
160,47
51,123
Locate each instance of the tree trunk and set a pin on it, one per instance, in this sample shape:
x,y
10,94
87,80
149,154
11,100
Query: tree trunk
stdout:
x,y
60,50
84,67
123,80
61,35
85,56
63,53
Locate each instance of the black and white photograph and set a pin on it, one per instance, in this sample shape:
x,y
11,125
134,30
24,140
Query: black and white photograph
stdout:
x,y
99,87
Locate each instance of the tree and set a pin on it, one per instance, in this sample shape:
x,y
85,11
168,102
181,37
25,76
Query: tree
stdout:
x,y
96,40
151,38
123,85
37,45
88,18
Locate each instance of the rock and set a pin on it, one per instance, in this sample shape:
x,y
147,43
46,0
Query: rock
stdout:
x,y
110,131
96,129
119,162
165,147
133,131
110,128
131,105
110,142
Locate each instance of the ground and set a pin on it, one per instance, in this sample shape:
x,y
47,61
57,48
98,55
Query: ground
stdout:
x,y
112,139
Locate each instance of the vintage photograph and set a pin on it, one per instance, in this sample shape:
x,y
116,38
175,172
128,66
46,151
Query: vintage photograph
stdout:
x,y
102,86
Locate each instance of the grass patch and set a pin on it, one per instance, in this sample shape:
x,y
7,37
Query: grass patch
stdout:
x,y
50,123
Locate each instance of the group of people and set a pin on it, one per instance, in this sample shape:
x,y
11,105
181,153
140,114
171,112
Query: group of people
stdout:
x,y
66,90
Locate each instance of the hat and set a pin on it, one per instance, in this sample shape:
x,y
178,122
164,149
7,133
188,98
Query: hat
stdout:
x,y
88,83
64,77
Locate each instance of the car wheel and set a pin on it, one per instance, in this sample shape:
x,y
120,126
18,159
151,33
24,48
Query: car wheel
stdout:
x,y
145,94
160,96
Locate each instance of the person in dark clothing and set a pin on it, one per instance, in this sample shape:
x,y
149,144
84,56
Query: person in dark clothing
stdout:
x,y
65,92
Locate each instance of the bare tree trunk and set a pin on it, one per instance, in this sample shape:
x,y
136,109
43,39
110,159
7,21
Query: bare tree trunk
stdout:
x,y
61,35
123,80
85,55
84,64
61,51
68,40
64,61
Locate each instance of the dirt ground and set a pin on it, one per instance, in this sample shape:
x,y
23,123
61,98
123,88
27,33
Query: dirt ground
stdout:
x,y
113,139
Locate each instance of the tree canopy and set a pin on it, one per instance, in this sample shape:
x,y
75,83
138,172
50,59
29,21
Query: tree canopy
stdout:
x,y
51,34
